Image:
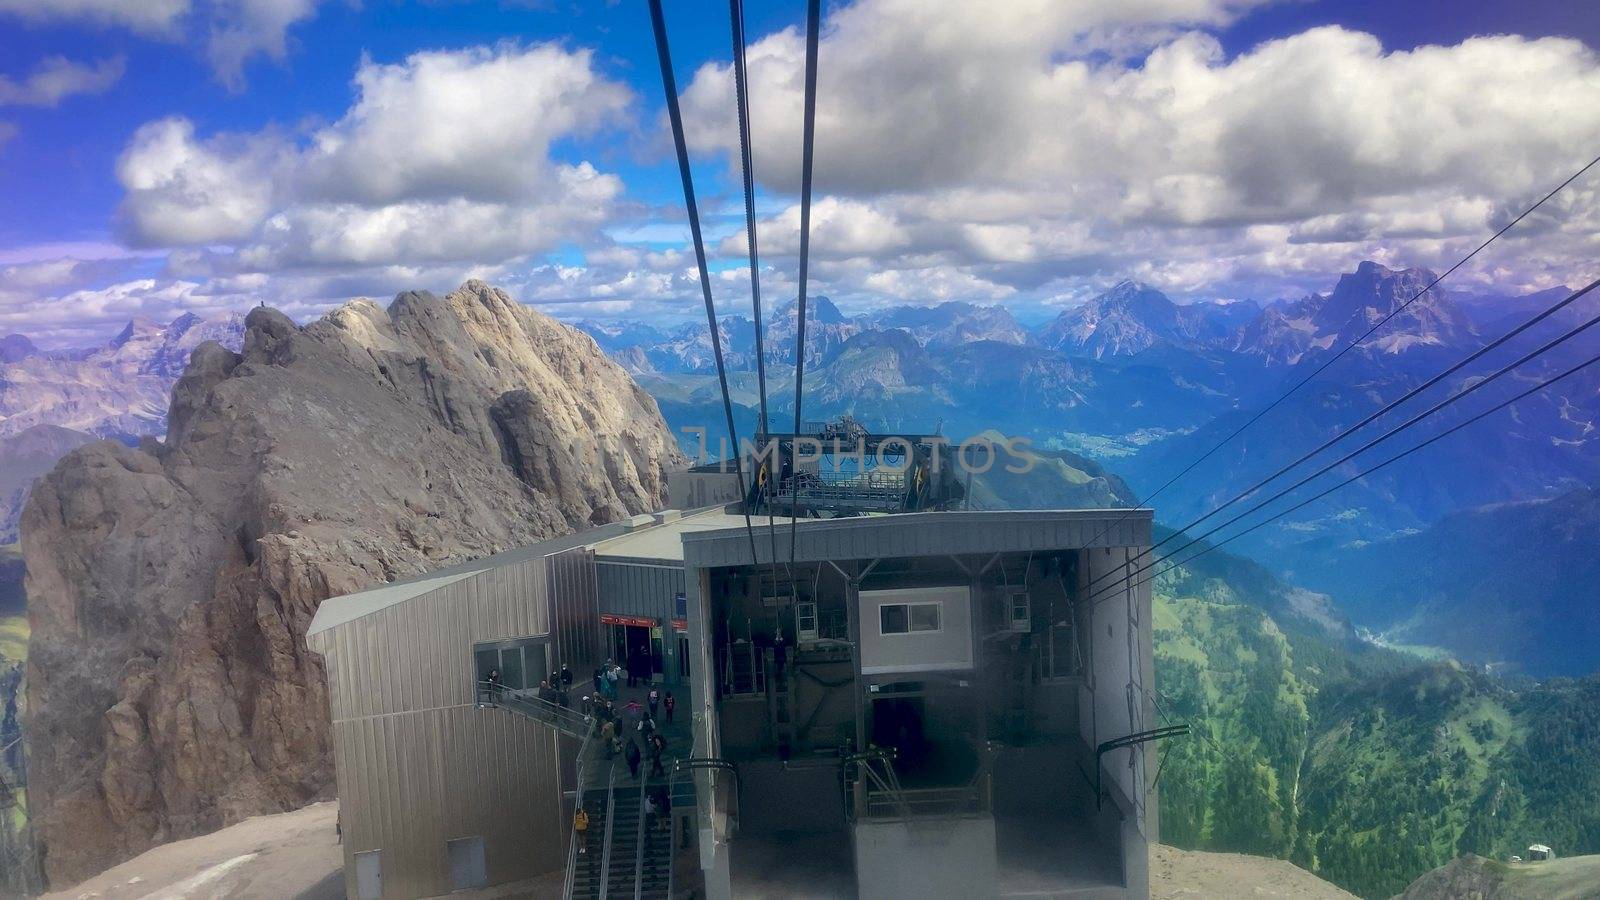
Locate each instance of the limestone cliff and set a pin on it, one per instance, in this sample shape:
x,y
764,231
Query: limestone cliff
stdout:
x,y
170,586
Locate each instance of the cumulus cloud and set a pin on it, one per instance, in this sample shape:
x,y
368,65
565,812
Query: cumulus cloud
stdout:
x,y
58,78
182,190
1034,145
445,157
155,17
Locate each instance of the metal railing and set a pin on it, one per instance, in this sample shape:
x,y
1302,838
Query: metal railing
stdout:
x,y
565,719
611,817
911,803
577,803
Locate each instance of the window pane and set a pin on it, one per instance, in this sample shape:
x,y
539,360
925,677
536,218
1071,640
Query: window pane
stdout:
x,y
511,668
535,663
487,661
892,618
925,617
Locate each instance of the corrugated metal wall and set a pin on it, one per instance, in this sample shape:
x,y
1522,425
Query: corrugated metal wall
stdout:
x,y
576,612
634,589
417,762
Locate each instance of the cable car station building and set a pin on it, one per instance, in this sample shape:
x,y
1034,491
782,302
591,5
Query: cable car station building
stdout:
x,y
921,704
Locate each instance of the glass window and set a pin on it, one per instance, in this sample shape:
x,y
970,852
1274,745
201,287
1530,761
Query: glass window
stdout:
x,y
892,619
487,661
534,664
680,606
511,668
906,618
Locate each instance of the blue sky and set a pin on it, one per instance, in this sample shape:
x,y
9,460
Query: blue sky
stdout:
x,y
177,156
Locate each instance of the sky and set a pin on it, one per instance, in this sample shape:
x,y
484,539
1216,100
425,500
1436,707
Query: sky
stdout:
x,y
167,156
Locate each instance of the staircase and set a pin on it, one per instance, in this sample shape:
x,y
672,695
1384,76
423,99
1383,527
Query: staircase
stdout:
x,y
588,865
627,822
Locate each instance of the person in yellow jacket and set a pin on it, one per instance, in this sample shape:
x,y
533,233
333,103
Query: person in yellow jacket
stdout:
x,y
580,824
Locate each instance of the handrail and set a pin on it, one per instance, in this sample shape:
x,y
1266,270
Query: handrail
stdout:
x,y
638,840
717,764
611,818
554,714
1128,740
577,804
672,840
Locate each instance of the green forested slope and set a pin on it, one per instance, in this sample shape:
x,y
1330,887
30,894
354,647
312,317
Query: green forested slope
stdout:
x,y
1362,765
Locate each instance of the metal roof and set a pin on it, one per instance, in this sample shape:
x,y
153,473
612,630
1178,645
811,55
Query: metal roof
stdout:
x,y
665,542
655,537
929,534
336,611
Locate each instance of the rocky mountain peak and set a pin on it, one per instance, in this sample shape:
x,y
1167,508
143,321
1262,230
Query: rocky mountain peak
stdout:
x,y
313,461
15,348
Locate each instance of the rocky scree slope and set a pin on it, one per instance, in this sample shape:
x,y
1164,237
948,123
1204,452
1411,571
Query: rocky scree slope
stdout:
x,y
170,586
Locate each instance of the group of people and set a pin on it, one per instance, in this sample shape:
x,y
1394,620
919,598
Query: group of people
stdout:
x,y
557,688
631,731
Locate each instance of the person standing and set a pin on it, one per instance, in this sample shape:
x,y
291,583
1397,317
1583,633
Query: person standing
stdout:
x,y
633,758
668,705
657,745
566,677
612,674
654,699
599,681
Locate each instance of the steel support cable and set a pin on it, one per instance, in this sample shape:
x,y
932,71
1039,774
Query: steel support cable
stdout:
x,y
1345,349
813,25
1362,474
747,167
1414,392
742,97
670,84
1463,393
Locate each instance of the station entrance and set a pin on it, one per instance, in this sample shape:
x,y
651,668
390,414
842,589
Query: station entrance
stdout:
x,y
634,643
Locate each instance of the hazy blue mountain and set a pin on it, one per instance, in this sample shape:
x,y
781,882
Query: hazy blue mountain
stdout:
x,y
1516,584
1132,318
951,324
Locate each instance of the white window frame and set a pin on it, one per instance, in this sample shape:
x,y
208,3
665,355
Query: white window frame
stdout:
x,y
938,606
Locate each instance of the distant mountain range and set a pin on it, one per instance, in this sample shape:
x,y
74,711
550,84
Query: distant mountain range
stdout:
x,y
1148,386
52,401
115,390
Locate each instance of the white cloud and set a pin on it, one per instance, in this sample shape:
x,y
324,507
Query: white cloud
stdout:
x,y
242,29
58,78
445,157
1000,147
154,17
181,190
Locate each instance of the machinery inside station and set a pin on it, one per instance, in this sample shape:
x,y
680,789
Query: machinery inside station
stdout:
x,y
963,706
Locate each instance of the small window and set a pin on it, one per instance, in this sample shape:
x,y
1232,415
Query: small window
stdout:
x,y
908,618
892,619
805,621
680,606
467,869
924,617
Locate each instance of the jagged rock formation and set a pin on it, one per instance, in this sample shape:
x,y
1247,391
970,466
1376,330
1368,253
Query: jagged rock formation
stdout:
x,y
170,586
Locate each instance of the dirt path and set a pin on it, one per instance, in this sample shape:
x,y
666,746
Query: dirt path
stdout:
x,y
290,855
1228,876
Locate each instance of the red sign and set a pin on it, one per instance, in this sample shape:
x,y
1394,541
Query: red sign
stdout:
x,y
636,621
680,624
